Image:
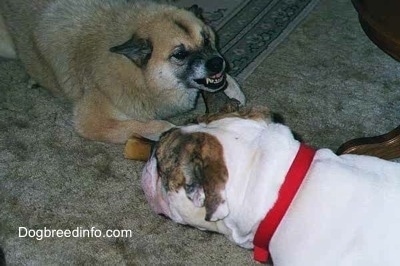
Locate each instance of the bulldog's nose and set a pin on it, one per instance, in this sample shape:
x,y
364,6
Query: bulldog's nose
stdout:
x,y
215,65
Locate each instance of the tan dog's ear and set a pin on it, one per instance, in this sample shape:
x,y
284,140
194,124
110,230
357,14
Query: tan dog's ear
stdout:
x,y
197,11
209,176
136,49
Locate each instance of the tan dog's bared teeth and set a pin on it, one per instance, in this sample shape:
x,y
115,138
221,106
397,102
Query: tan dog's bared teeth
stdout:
x,y
213,80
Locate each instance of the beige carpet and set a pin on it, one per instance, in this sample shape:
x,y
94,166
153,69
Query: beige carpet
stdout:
x,y
326,79
329,81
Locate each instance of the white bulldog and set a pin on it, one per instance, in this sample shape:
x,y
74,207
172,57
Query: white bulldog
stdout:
x,y
225,174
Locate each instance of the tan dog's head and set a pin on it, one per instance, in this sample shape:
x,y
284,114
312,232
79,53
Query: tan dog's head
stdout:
x,y
174,48
186,177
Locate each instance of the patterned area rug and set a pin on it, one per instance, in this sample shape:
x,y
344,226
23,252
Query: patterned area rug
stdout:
x,y
50,178
249,30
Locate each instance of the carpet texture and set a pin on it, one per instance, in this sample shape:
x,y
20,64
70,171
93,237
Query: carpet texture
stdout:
x,y
326,79
249,30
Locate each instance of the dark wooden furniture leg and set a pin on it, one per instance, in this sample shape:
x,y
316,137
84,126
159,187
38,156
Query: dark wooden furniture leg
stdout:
x,y
380,20
386,146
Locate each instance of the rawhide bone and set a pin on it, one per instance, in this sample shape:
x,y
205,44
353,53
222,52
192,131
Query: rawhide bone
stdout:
x,y
138,148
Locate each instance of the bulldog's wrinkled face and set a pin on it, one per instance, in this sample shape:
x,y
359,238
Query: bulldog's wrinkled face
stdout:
x,y
184,180
186,176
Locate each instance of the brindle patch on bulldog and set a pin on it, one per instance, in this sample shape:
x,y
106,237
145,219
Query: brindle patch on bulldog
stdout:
x,y
255,113
194,162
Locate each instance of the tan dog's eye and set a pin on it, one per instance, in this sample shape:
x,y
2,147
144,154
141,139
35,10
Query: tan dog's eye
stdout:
x,y
206,41
180,54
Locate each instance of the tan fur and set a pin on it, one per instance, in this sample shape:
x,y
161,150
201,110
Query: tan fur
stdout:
x,y
138,148
65,47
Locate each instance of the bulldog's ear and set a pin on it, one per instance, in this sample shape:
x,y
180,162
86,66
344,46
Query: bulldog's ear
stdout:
x,y
136,49
209,176
256,113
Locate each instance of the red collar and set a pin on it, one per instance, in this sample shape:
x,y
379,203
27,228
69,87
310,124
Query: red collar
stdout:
x,y
287,192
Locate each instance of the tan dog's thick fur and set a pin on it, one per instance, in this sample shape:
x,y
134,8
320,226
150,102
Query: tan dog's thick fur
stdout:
x,y
125,65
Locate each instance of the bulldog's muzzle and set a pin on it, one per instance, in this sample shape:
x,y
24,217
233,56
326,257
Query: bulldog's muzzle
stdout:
x,y
152,188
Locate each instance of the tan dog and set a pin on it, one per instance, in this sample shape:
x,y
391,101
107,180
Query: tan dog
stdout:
x,y
125,65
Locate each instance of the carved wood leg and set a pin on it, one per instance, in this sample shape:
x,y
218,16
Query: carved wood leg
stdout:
x,y
380,22
386,146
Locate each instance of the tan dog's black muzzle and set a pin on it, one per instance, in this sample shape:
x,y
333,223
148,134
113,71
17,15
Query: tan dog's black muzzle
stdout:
x,y
216,78
215,65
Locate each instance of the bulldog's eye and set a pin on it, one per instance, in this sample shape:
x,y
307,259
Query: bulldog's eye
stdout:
x,y
180,55
190,188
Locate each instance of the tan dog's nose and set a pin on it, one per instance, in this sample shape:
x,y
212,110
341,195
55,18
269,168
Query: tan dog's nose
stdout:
x,y
215,65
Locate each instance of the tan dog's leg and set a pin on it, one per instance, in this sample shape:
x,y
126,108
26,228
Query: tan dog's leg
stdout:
x,y
116,131
95,121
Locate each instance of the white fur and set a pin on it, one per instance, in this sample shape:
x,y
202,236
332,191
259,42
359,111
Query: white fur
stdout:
x,y
233,90
347,211
247,145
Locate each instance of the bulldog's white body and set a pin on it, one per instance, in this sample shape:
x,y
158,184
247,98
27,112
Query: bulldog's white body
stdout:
x,y
347,211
